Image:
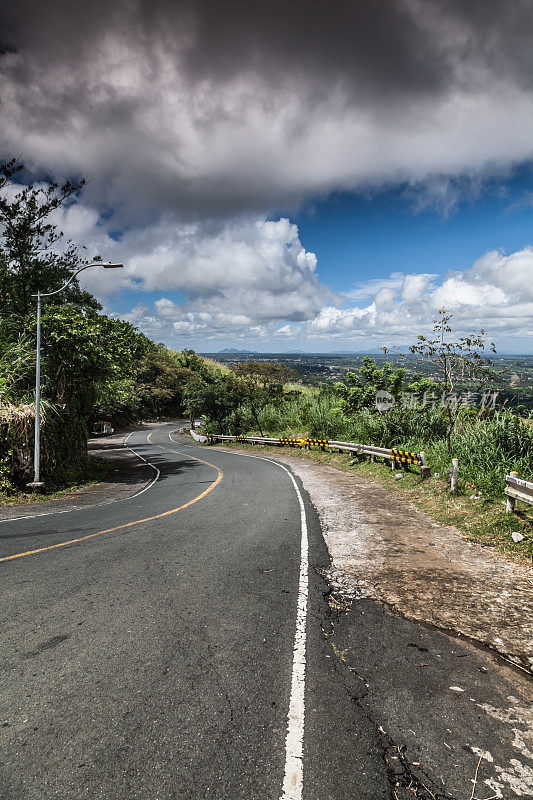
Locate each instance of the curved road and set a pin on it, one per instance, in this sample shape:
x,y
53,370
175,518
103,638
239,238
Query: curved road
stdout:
x,y
175,646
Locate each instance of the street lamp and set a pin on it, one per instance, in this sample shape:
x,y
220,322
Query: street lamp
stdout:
x,y
37,484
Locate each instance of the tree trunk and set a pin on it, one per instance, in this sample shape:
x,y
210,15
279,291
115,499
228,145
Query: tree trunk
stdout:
x,y
256,418
450,428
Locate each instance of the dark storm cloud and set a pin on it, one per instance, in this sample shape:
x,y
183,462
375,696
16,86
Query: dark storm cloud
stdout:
x,y
388,46
497,34
367,52
215,108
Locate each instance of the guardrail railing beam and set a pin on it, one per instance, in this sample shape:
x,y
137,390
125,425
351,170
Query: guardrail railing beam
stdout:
x,y
517,489
397,458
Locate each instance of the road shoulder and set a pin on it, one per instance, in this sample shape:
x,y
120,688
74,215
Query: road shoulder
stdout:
x,y
383,548
127,476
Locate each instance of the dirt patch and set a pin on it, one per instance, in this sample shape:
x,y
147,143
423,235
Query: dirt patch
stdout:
x,y
382,547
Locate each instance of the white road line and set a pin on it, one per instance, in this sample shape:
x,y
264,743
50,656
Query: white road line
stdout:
x,y
97,505
293,779
157,472
179,443
293,776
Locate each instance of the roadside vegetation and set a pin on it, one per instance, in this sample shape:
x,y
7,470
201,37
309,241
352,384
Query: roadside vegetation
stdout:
x,y
454,417
488,445
488,442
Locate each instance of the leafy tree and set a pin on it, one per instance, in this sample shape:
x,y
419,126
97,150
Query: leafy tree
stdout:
x,y
84,356
216,400
386,378
358,390
82,349
31,257
455,358
193,399
118,400
197,365
262,383
162,379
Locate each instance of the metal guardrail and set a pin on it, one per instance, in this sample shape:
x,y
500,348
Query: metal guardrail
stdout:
x,y
361,449
517,489
198,437
396,457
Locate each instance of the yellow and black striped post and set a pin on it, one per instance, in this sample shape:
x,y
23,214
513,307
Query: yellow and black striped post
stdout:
x,y
291,442
322,443
403,457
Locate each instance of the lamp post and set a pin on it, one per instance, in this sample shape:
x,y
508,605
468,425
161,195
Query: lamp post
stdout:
x,y
37,484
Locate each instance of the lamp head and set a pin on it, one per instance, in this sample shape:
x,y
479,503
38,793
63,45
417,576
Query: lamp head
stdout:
x,y
113,266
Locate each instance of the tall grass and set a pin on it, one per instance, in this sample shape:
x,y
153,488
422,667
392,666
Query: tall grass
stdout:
x,y
487,447
17,363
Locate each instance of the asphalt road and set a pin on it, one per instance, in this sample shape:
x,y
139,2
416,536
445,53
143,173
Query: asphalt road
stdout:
x,y
177,645
156,660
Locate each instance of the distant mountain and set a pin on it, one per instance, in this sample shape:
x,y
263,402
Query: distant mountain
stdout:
x,y
371,351
233,351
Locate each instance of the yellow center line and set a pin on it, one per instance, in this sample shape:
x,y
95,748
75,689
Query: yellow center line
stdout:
x,y
137,521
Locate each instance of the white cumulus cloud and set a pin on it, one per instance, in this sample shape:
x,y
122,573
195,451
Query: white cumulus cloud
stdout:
x,y
495,293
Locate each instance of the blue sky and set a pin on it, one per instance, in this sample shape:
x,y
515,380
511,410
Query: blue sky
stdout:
x,y
279,181
356,237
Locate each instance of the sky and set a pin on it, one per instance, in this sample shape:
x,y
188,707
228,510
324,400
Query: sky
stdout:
x,y
294,176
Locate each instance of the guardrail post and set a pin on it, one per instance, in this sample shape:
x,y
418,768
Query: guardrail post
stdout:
x,y
511,501
454,474
425,471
